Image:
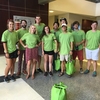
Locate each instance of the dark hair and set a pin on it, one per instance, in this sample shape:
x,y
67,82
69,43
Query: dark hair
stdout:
x,y
44,33
24,21
95,22
56,23
38,16
64,20
75,22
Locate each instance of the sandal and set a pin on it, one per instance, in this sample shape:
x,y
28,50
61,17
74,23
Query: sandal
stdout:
x,y
61,74
27,76
33,76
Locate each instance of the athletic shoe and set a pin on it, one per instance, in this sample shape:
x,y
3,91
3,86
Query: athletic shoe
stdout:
x,y
6,79
39,70
50,73
46,73
13,78
86,71
94,74
81,71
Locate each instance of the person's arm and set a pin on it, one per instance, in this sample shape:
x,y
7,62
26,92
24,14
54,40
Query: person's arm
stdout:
x,y
5,49
21,42
42,48
55,46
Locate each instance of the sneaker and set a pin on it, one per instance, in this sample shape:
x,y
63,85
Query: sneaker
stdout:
x,y
13,78
24,72
39,70
81,70
18,73
94,74
50,73
46,73
86,71
6,79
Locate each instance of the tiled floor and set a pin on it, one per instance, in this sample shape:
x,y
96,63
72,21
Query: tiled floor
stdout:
x,y
18,90
80,86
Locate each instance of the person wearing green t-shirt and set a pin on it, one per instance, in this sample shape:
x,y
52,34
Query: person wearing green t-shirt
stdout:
x,y
92,48
64,21
56,32
20,33
31,45
79,39
10,40
48,49
66,46
39,28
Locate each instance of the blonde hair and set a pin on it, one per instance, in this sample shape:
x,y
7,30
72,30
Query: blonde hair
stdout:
x,y
30,28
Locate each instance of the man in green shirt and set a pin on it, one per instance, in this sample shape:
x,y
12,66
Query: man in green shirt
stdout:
x,y
20,33
56,32
64,21
79,39
39,28
66,46
92,48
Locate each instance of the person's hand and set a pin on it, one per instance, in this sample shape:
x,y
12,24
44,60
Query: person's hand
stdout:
x,y
55,51
77,44
25,46
7,55
71,52
18,52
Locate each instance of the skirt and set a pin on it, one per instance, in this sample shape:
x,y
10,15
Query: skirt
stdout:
x,y
31,53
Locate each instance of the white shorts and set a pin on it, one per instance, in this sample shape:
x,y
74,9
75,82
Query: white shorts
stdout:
x,y
64,57
92,54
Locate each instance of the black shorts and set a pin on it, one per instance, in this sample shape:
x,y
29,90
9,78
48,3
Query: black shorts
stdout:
x,y
49,52
13,54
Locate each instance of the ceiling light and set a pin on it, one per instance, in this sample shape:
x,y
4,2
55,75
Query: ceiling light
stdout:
x,y
51,11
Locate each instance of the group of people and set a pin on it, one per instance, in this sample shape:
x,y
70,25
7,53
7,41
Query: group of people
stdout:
x,y
29,45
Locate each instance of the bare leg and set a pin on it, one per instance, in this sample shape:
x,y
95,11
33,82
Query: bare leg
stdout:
x,y
50,62
28,69
34,67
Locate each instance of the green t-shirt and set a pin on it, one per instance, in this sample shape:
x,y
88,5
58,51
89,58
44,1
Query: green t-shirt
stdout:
x,y
65,39
56,33
39,29
79,35
93,39
11,38
31,39
68,29
20,33
48,41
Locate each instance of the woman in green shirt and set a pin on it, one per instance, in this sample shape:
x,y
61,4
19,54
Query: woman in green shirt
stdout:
x,y
10,39
47,49
32,42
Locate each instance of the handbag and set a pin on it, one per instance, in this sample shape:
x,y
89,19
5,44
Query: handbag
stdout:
x,y
57,64
58,92
70,69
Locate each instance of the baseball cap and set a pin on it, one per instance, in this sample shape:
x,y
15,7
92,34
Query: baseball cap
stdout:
x,y
63,25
